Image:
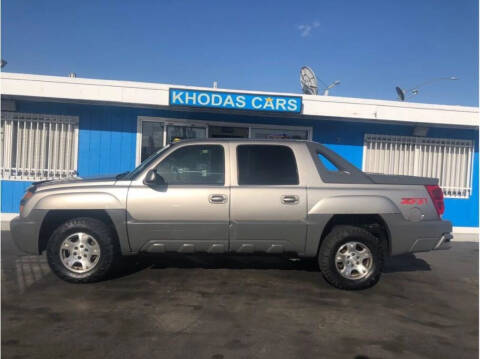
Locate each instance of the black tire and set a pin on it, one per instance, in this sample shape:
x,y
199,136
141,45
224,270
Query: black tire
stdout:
x,y
110,253
338,236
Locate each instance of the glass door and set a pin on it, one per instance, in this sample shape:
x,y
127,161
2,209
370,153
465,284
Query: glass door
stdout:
x,y
152,138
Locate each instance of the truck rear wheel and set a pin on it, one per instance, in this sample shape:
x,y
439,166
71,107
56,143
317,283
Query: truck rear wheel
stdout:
x,y
82,250
351,258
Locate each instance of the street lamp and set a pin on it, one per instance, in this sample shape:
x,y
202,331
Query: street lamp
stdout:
x,y
333,84
402,94
328,87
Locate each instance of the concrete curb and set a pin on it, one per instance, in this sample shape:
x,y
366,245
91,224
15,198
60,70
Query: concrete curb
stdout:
x,y
5,219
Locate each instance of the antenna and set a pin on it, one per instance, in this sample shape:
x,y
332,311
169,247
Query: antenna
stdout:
x,y
400,93
404,94
308,80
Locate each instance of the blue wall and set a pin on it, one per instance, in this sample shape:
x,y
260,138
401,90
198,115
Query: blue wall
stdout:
x,y
12,192
107,143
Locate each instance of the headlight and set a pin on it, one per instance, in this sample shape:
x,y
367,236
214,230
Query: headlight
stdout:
x,y
26,197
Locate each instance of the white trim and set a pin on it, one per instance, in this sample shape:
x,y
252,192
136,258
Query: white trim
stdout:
x,y
143,93
466,230
138,145
5,219
198,123
6,216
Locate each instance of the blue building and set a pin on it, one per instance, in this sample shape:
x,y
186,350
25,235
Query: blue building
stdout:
x,y
55,127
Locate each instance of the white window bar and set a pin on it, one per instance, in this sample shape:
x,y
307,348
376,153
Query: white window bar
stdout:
x,y
449,160
37,146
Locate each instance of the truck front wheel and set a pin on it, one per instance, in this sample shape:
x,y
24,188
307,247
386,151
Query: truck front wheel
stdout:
x,y
351,258
82,250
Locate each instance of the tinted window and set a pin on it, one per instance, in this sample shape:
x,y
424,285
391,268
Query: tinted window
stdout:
x,y
266,165
194,165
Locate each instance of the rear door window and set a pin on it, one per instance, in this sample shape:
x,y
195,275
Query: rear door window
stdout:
x,y
266,165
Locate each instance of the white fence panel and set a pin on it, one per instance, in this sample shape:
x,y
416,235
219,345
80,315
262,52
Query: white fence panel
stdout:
x,y
449,160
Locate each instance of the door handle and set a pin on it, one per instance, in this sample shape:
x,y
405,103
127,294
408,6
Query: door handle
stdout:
x,y
217,198
289,199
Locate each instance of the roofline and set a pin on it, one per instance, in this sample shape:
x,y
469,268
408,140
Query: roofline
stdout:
x,y
243,140
155,94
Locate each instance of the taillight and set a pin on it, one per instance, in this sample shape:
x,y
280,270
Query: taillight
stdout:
x,y
436,194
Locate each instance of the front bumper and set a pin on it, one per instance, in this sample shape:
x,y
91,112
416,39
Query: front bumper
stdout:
x,y
25,234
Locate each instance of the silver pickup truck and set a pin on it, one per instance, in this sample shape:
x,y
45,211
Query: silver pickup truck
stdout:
x,y
287,197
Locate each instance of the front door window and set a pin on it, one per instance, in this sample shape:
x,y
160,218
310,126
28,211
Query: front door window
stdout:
x,y
194,165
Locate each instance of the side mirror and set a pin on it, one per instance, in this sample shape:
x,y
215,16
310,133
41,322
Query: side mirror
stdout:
x,y
153,178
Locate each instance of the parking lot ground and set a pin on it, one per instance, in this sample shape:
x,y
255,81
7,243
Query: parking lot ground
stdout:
x,y
425,306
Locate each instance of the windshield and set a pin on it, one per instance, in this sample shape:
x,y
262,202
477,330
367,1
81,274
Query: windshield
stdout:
x,y
145,163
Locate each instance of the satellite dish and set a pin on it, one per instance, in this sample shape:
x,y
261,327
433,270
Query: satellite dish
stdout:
x,y
400,93
309,81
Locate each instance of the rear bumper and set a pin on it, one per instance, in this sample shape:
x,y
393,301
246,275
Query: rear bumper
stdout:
x,y
25,234
428,244
423,236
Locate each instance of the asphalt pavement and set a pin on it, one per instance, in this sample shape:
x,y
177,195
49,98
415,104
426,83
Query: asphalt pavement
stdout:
x,y
425,306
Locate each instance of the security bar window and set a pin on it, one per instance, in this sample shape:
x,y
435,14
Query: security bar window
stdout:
x,y
449,160
37,146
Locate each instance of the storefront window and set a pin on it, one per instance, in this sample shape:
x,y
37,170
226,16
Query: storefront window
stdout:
x,y
227,132
269,133
153,135
158,132
152,138
175,133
